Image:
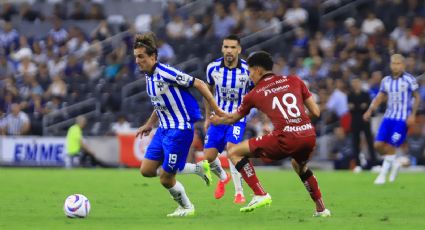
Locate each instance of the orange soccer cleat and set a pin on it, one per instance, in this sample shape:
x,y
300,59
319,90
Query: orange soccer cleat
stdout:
x,y
239,199
220,190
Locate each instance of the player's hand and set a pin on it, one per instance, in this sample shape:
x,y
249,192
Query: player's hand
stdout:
x,y
215,119
144,130
219,112
367,114
411,120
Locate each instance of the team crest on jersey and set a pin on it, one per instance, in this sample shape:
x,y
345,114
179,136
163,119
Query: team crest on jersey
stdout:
x,y
242,80
160,85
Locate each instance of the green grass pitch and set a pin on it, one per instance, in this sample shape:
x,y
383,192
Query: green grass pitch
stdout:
x,y
122,199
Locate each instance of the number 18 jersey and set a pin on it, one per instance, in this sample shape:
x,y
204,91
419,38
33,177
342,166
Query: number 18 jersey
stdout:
x,y
281,98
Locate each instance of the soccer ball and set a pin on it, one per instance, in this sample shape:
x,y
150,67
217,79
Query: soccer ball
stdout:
x,y
76,205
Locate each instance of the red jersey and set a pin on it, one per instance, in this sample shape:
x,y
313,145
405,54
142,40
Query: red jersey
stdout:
x,y
281,98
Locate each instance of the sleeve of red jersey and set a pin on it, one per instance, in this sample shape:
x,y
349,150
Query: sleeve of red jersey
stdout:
x,y
304,91
245,106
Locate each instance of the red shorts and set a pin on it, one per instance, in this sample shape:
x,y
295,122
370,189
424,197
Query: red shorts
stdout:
x,y
277,146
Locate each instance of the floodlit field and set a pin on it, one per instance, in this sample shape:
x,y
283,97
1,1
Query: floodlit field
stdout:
x,y
122,199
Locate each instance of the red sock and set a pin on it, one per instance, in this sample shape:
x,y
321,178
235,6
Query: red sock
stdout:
x,y
313,188
247,171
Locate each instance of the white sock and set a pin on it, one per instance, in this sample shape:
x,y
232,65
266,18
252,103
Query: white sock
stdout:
x,y
190,168
386,165
217,169
237,178
179,195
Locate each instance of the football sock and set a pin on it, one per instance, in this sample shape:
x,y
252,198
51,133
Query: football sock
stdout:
x,y
179,195
216,168
311,185
247,171
386,165
236,177
190,168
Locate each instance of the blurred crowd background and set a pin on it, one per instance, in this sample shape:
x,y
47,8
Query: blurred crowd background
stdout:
x,y
60,59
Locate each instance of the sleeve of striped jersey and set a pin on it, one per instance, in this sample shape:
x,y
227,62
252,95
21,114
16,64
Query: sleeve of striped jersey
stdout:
x,y
413,84
175,76
246,105
210,79
382,87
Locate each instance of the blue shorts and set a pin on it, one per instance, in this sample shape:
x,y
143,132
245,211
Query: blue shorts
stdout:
x,y
392,132
171,147
218,135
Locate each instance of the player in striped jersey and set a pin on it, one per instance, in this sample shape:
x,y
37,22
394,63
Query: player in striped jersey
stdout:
x,y
228,79
401,91
176,110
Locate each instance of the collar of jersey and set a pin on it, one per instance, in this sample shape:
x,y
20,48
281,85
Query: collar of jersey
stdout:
x,y
239,65
150,74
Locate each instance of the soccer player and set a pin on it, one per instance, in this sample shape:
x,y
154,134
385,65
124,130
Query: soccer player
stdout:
x,y
176,110
228,80
282,99
401,91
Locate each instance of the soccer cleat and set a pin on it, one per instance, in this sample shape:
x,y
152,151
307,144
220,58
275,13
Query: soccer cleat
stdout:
x,y
324,213
394,171
357,169
380,180
206,172
239,199
180,211
257,202
220,189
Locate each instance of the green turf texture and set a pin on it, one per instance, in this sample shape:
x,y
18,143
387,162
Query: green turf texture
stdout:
x,y
122,199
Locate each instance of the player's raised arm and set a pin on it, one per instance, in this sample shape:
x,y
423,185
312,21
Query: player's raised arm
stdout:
x,y
205,92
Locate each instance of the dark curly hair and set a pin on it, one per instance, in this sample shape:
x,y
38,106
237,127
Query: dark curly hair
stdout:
x,y
147,40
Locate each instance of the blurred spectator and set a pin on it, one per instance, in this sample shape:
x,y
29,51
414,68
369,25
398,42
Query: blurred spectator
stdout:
x,y
102,31
9,37
165,52
26,66
57,88
6,67
401,28
78,13
358,103
16,122
192,28
342,149
8,10
407,42
78,45
28,14
338,104
91,66
112,67
296,16
96,12
56,65
175,28
43,77
223,24
372,25
121,125
58,33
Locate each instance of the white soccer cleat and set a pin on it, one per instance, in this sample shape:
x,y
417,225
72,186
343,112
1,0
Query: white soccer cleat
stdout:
x,y
257,202
380,180
394,171
180,211
357,169
324,213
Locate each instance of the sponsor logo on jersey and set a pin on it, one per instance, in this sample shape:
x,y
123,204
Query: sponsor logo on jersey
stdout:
x,y
289,128
275,90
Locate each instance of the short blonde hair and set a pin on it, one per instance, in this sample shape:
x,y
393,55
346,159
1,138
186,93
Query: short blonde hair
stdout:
x,y
397,57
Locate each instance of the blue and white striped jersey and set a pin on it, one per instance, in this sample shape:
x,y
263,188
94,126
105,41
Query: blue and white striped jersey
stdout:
x,y
399,92
168,90
230,84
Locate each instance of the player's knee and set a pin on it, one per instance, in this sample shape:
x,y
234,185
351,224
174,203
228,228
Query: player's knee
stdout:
x,y
166,180
379,146
232,152
147,173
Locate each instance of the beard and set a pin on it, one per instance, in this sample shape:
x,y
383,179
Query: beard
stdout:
x,y
229,58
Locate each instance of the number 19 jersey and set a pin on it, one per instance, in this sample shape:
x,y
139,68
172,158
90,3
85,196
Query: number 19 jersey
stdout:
x,y
281,98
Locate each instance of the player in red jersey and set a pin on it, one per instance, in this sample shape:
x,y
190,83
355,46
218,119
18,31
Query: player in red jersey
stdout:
x,y
282,99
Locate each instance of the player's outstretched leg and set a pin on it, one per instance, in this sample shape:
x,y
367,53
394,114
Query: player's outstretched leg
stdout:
x,y
201,169
312,187
261,198
177,191
237,181
224,178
